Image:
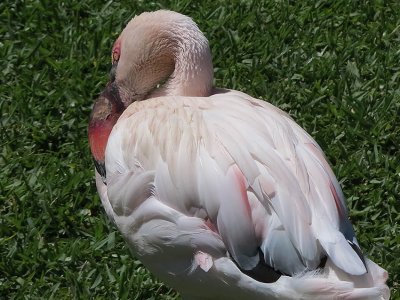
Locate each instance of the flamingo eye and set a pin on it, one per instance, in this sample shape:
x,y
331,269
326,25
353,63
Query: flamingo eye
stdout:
x,y
115,55
116,51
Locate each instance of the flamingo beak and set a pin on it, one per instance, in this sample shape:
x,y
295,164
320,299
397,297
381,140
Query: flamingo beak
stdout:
x,y
105,113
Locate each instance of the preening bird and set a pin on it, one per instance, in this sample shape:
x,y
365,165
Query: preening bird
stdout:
x,y
220,195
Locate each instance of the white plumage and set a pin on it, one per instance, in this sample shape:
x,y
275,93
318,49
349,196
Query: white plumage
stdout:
x,y
208,185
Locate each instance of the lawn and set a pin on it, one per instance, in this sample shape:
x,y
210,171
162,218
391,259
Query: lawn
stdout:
x,y
335,68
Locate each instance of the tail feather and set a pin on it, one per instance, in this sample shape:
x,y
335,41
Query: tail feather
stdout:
x,y
357,249
228,282
343,254
324,288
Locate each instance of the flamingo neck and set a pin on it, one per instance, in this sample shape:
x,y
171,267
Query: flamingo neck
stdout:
x,y
193,71
163,54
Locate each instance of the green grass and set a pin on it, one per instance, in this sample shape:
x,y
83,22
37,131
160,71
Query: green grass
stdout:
x,y
335,68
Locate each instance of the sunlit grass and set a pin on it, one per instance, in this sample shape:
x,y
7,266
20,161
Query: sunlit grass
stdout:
x,y
335,68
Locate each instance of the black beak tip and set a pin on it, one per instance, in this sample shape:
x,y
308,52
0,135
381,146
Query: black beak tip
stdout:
x,y
101,169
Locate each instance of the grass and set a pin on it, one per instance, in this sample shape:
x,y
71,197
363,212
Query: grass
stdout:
x,y
334,67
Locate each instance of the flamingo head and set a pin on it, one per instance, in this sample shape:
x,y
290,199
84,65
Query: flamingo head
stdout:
x,y
157,54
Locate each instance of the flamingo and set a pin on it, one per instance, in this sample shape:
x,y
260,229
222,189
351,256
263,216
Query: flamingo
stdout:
x,y
221,195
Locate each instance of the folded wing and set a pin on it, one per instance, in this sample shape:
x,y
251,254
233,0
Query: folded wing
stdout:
x,y
243,167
